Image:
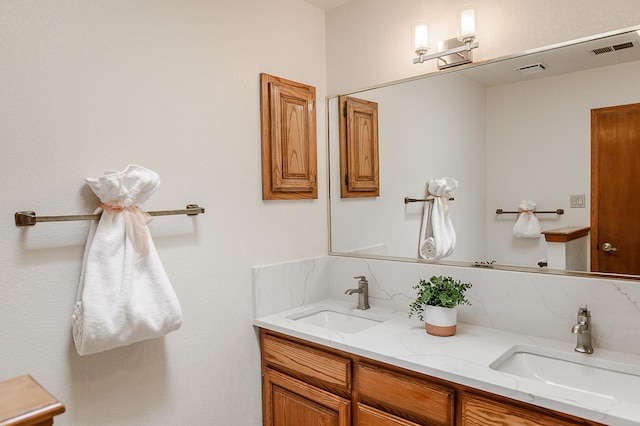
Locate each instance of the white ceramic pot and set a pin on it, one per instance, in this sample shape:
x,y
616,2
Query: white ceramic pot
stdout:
x,y
440,321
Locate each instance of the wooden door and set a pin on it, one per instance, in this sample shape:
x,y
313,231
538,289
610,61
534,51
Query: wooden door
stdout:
x,y
291,402
615,180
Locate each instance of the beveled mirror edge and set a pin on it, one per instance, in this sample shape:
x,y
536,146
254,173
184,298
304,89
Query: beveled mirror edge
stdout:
x,y
498,267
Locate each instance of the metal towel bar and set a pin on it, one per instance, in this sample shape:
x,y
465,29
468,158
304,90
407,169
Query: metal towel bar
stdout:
x,y
29,218
558,211
408,200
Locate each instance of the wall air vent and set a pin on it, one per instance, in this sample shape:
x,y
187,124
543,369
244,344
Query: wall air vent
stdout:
x,y
532,69
619,46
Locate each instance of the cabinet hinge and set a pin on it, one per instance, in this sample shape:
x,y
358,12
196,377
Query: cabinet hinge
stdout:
x,y
346,180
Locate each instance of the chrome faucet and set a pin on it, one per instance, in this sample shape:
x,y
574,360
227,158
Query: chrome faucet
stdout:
x,y
582,329
363,292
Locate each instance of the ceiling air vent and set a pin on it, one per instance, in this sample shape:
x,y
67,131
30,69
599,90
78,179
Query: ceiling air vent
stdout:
x,y
532,69
613,48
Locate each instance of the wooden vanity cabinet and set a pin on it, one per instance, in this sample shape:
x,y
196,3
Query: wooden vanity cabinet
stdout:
x,y
310,384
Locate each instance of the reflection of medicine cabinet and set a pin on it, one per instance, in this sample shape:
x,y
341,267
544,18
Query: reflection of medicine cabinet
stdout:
x,y
359,174
288,124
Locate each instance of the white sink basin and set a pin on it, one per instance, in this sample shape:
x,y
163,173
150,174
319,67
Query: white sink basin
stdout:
x,y
579,372
337,318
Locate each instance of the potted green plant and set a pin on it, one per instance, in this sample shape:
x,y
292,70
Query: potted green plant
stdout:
x,y
437,304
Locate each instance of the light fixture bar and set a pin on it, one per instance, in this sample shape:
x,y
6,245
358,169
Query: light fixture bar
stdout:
x,y
456,50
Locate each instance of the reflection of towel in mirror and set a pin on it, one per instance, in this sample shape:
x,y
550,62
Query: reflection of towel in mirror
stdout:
x,y
124,294
437,236
527,225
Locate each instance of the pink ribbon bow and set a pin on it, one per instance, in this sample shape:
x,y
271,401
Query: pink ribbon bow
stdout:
x,y
135,220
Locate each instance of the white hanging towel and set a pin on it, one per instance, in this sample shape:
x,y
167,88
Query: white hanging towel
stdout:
x,y
527,225
124,294
437,236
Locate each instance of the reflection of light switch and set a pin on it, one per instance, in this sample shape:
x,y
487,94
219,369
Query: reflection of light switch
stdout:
x,y
577,201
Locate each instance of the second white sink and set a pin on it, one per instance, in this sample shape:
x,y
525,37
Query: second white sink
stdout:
x,y
594,376
336,318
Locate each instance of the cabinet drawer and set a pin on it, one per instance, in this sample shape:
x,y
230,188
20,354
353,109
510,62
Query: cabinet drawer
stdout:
x,y
320,368
418,400
369,416
479,411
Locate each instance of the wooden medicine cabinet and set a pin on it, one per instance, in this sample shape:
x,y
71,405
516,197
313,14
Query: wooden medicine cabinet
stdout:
x,y
359,171
288,127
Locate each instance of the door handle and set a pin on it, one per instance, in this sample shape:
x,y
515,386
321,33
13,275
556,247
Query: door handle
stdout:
x,y
608,247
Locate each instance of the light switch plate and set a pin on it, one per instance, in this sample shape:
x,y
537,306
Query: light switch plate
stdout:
x,y
577,201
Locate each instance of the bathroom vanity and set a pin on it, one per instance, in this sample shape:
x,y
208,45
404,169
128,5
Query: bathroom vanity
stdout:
x,y
303,381
388,371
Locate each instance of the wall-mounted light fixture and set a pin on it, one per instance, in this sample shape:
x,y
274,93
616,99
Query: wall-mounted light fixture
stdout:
x,y
420,38
451,52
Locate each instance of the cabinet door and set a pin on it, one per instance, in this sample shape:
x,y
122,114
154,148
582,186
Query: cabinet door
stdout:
x,y
478,411
290,402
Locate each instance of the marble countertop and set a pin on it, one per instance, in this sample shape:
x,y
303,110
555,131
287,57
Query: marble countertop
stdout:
x,y
464,358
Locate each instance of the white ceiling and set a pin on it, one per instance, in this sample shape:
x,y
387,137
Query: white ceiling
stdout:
x,y
326,4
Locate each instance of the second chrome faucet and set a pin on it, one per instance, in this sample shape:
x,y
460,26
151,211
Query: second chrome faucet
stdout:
x,y
363,292
582,328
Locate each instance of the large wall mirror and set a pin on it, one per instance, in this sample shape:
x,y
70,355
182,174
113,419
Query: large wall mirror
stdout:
x,y
505,135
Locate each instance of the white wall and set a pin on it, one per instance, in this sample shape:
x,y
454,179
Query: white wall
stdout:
x,y
172,86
